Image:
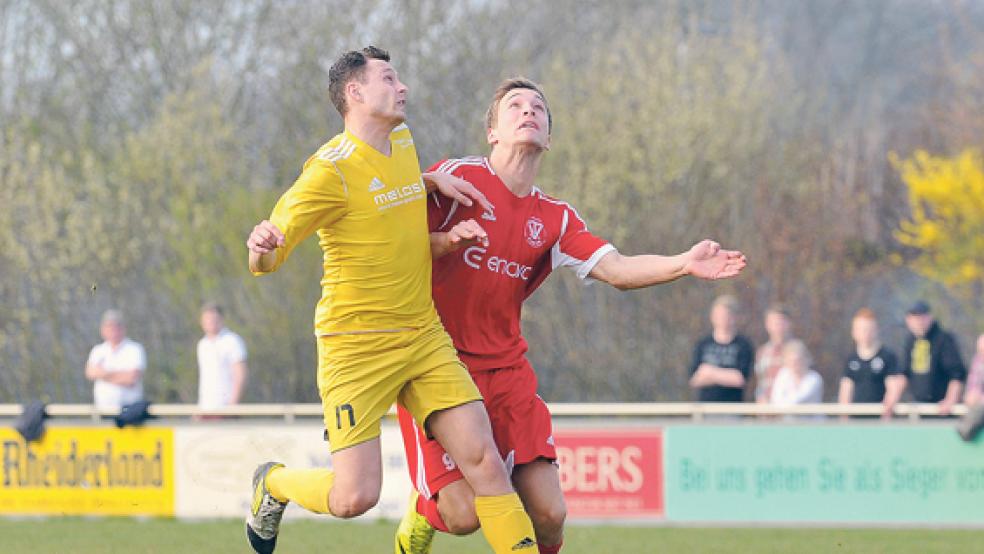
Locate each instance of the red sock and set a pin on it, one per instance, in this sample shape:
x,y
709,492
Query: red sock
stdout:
x,y
428,509
555,549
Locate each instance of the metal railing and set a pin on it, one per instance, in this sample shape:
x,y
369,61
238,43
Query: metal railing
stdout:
x,y
695,411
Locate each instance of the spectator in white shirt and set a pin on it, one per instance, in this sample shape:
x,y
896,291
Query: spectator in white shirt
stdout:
x,y
221,362
796,383
116,366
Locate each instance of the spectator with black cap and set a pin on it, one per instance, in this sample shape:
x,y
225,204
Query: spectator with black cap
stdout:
x,y
931,361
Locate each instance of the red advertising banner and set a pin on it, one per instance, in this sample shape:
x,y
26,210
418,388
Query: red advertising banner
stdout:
x,y
611,473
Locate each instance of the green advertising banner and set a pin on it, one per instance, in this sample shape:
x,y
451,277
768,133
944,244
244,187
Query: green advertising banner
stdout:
x,y
823,473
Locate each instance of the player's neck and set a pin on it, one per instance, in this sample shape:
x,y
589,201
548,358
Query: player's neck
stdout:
x,y
517,167
374,132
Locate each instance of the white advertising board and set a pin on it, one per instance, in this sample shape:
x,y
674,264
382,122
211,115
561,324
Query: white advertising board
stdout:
x,y
214,464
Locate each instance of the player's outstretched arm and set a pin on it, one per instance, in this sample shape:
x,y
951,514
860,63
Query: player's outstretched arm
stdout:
x,y
464,234
456,189
705,260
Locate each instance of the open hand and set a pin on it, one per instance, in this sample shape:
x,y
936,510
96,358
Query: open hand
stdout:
x,y
709,261
467,233
458,190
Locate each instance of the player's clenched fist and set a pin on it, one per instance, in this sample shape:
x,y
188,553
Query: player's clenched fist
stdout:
x,y
467,233
266,237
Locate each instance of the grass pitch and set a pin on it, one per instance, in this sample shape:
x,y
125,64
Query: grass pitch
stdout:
x,y
165,536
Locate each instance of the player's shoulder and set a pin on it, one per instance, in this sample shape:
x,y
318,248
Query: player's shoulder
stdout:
x,y
339,148
557,206
550,199
401,136
461,166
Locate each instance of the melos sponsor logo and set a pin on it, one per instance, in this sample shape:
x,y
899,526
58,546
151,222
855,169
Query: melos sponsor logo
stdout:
x,y
399,195
475,258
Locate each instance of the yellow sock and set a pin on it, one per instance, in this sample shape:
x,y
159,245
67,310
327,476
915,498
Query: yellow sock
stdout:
x,y
307,487
505,524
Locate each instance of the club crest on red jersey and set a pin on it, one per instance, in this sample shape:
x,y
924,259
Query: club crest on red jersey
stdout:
x,y
534,232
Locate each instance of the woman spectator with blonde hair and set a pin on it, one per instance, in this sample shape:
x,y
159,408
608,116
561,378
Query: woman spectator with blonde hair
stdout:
x,y
796,382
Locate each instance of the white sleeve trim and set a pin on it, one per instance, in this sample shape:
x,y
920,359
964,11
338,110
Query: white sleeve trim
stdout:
x,y
587,266
582,268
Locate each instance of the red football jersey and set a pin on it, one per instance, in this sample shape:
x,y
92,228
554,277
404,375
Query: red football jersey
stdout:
x,y
478,291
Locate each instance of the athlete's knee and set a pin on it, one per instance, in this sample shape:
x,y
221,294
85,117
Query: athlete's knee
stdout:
x,y
458,513
484,462
548,520
461,523
352,503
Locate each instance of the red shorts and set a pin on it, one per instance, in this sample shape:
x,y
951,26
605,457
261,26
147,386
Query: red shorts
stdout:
x,y
521,428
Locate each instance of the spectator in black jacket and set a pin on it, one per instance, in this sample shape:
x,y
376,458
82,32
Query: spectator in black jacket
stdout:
x,y
931,360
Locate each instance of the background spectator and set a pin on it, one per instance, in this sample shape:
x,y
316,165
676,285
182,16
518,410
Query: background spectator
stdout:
x,y
975,377
116,365
722,360
871,367
973,422
931,360
768,357
796,382
221,361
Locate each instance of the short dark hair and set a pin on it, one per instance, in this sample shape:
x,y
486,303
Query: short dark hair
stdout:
x,y
351,65
213,307
513,83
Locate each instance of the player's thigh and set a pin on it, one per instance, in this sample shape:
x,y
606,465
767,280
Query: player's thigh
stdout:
x,y
538,485
521,422
359,378
430,466
439,380
464,432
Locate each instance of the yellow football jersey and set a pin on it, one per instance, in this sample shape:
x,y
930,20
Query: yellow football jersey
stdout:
x,y
370,213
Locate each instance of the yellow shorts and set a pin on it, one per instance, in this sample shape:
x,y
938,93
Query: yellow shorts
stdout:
x,y
361,375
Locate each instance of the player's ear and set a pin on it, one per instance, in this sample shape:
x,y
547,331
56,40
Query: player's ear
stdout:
x,y
353,90
491,136
546,143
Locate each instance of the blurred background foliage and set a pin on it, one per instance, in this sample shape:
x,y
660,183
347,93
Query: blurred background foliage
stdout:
x,y
837,143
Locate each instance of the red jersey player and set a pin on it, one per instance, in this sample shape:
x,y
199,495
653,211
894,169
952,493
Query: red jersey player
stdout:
x,y
486,263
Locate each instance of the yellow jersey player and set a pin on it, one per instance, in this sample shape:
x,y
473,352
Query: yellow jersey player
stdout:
x,y
379,337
